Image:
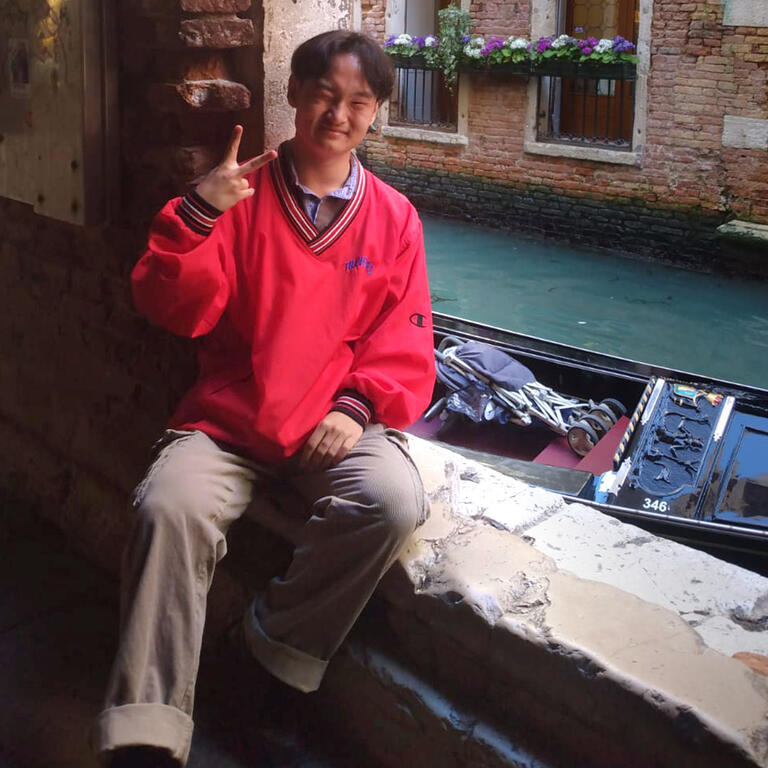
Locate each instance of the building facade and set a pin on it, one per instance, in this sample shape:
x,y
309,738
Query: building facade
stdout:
x,y
651,166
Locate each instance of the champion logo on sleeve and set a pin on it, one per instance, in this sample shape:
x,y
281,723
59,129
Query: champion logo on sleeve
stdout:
x,y
357,263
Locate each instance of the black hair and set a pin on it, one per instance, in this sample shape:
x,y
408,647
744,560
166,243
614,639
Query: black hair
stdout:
x,y
312,59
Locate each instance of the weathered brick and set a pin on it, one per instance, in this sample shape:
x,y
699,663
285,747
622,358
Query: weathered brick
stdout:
x,y
217,32
204,95
215,6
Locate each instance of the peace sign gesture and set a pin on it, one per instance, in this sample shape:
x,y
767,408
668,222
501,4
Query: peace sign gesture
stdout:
x,y
226,184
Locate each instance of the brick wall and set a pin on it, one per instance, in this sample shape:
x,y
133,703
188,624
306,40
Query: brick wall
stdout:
x,y
85,383
700,71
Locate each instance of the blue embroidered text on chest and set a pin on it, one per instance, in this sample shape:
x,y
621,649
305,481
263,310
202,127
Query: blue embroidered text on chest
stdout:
x,y
360,261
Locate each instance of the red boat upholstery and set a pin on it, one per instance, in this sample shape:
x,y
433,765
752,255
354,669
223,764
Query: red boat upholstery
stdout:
x,y
597,461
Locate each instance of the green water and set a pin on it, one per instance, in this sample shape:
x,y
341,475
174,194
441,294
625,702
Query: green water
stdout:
x,y
693,322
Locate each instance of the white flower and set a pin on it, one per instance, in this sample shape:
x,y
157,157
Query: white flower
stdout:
x,y
430,41
604,45
561,41
403,39
473,53
516,43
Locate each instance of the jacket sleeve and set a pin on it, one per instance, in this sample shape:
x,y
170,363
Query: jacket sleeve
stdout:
x,y
393,371
180,283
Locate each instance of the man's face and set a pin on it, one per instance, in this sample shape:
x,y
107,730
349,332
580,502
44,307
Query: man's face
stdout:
x,y
333,112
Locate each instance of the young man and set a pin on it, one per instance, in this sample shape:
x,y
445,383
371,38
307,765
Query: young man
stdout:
x,y
305,277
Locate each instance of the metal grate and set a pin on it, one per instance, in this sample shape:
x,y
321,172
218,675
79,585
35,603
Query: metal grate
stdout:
x,y
421,99
583,110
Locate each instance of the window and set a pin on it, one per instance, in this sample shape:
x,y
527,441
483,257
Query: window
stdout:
x,y
585,110
420,98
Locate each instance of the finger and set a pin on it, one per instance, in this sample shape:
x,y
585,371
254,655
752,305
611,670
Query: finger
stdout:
x,y
319,458
311,446
325,451
256,162
341,451
234,145
331,454
349,443
306,454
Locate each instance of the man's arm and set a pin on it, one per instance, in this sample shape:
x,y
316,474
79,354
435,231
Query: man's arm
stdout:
x,y
179,283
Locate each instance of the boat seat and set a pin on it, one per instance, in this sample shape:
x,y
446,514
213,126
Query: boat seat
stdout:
x,y
597,461
600,458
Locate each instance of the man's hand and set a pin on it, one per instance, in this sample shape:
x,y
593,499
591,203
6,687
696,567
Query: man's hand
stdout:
x,y
334,437
226,184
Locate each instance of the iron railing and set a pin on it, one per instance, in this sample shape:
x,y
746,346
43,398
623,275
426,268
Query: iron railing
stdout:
x,y
421,99
587,111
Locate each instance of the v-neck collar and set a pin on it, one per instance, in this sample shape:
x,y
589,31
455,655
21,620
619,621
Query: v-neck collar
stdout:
x,y
316,241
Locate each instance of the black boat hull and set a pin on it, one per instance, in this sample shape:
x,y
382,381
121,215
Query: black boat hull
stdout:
x,y
694,467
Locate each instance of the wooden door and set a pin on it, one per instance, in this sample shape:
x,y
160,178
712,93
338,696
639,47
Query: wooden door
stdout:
x,y
599,109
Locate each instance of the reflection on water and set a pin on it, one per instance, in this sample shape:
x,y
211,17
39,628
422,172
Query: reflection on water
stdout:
x,y
707,324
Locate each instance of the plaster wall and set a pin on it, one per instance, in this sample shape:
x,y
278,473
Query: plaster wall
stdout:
x,y
286,25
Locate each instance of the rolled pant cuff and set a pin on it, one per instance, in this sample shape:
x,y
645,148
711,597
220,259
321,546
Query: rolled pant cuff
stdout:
x,y
292,666
152,725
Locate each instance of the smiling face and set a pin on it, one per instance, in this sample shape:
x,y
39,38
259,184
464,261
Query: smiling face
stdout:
x,y
333,112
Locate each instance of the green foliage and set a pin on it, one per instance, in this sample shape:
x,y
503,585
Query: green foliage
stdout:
x,y
454,25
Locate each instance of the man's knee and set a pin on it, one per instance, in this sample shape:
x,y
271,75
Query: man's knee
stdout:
x,y
398,499
173,504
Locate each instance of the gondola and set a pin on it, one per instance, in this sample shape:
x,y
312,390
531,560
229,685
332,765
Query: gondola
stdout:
x,y
681,455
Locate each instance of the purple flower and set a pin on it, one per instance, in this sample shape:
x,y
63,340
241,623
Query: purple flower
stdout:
x,y
389,42
465,38
419,42
494,44
621,45
544,44
586,50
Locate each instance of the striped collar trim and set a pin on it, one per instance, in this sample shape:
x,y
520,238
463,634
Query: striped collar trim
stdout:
x,y
316,240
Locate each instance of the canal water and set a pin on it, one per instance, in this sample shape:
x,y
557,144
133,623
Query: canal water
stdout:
x,y
694,322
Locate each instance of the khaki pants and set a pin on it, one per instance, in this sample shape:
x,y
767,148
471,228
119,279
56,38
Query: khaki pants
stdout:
x,y
362,512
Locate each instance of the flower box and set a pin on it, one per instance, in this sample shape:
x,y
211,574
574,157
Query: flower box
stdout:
x,y
416,61
508,68
622,70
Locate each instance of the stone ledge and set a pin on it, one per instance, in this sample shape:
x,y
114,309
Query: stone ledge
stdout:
x,y
422,134
527,610
745,233
596,154
557,632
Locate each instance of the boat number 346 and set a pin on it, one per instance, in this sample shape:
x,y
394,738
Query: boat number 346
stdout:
x,y
655,504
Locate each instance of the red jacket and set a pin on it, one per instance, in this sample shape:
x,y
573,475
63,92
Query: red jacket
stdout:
x,y
294,322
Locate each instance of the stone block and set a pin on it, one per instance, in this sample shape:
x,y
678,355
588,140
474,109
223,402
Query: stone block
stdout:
x,y
745,13
203,95
745,132
217,32
745,232
215,6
